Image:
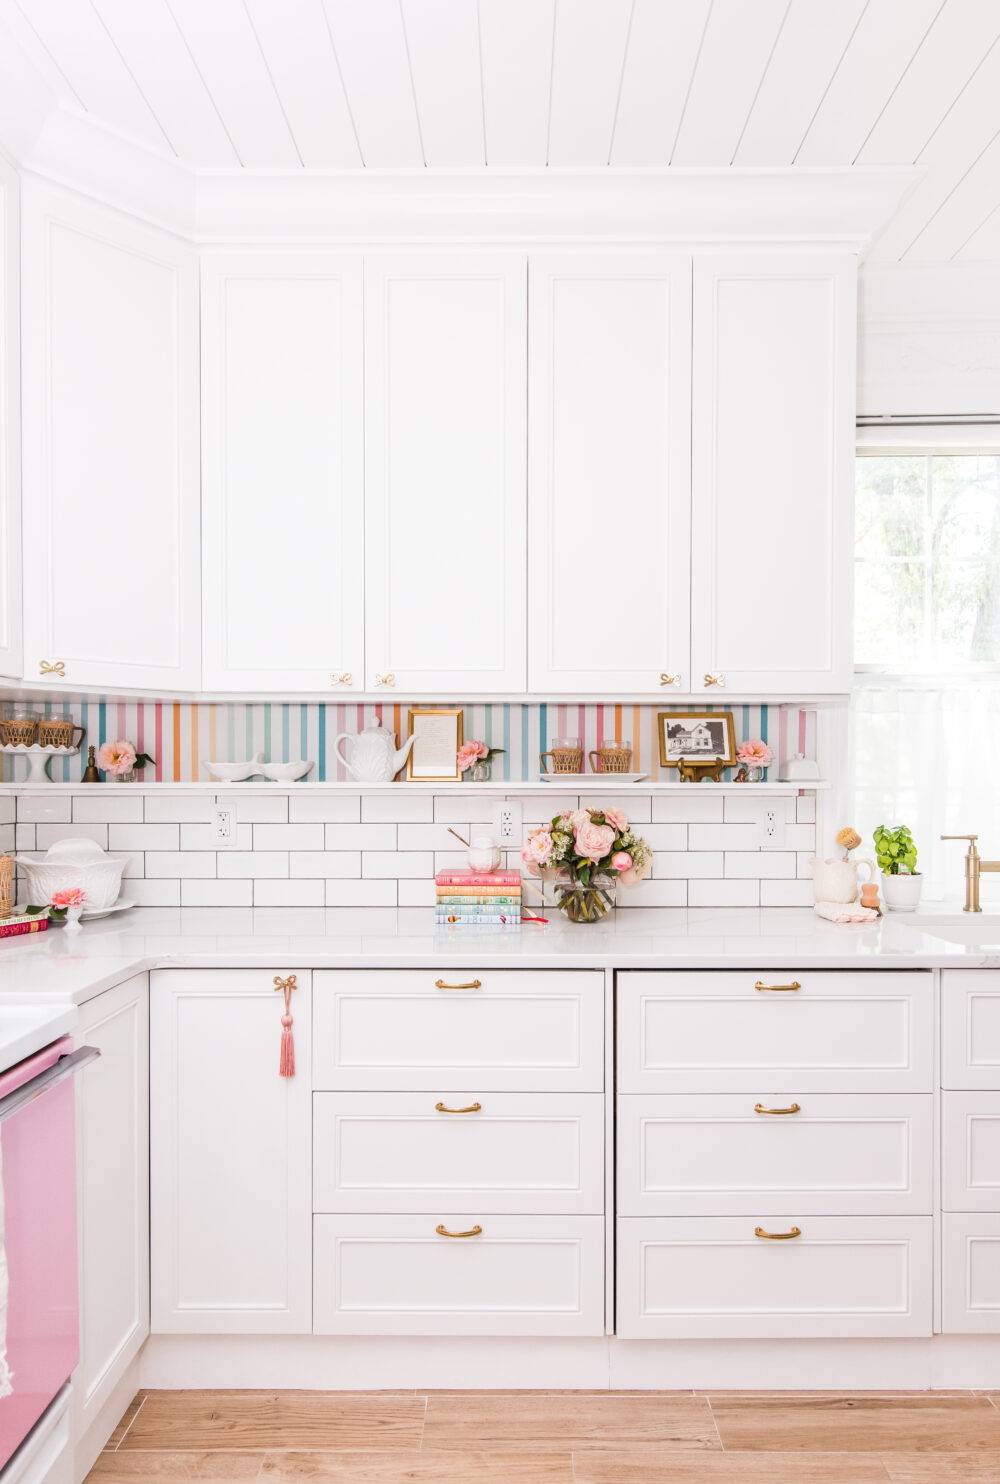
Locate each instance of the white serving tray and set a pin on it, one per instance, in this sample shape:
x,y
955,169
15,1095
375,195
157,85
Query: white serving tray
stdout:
x,y
592,780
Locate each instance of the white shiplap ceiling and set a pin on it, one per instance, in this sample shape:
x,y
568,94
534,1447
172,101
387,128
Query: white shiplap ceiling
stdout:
x,y
349,84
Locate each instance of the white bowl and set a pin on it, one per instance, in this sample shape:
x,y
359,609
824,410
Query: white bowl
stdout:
x,y
285,772
237,772
71,863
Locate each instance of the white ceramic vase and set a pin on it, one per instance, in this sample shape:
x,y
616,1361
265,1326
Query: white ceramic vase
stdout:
x,y
902,893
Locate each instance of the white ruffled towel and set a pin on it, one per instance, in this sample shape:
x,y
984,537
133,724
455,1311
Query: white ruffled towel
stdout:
x,y
845,912
6,1379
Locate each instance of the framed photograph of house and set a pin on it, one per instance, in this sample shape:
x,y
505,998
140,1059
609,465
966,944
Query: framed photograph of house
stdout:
x,y
705,738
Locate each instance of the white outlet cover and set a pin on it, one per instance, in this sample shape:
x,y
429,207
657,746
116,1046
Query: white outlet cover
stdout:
x,y
507,823
772,826
224,826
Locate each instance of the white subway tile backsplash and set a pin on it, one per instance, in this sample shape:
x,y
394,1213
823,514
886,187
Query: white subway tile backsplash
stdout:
x,y
178,808
390,809
397,864
24,836
238,864
653,894
461,809
724,837
217,893
637,807
416,893
102,805
540,808
8,810
749,808
693,804
665,836
144,837
44,808
180,863
153,893
135,866
288,837
431,836
687,864
288,893
202,837
48,834
805,808
334,865
786,894
362,836
324,809
763,865
259,808
800,837
723,894
804,866
361,893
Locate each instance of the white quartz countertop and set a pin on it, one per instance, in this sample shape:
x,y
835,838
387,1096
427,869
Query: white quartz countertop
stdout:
x,y
70,968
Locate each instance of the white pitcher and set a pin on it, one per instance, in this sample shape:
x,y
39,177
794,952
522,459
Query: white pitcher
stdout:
x,y
837,881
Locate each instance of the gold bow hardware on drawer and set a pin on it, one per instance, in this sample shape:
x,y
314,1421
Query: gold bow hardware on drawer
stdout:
x,y
58,668
792,1108
787,1236
468,984
472,1108
666,678
286,1058
717,679
777,988
344,678
474,1231
387,679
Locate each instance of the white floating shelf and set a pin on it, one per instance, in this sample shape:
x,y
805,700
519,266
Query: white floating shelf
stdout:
x,y
499,787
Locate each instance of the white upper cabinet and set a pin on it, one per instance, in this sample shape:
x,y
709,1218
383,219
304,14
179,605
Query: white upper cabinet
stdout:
x,y
773,472
609,472
10,427
110,393
445,472
282,481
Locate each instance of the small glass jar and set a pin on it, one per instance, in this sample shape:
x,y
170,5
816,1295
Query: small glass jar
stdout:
x,y
481,771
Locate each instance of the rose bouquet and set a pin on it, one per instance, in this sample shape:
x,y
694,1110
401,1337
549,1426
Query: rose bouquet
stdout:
x,y
587,852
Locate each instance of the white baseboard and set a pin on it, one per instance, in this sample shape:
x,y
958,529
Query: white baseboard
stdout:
x,y
87,1447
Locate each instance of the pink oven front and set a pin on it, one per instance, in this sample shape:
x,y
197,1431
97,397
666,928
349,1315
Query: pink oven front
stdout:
x,y
39,1325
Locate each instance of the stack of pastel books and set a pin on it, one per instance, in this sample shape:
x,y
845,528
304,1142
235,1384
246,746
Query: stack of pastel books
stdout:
x,y
489,899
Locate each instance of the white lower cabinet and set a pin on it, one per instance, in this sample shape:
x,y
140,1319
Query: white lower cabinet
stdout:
x,y
818,1276
230,1152
112,1133
501,1275
970,1029
970,1272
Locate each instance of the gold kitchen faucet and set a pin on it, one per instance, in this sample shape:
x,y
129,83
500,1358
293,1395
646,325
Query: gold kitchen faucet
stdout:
x,y
974,867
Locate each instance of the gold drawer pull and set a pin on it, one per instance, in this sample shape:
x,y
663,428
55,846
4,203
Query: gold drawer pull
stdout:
x,y
472,1108
667,677
344,678
792,1108
385,679
716,679
474,1231
774,988
787,1236
57,668
469,984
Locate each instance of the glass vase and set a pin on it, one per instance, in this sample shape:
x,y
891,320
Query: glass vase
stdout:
x,y
128,777
586,903
481,771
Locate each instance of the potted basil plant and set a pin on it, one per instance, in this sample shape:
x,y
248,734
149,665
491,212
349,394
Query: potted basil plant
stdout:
x,y
896,853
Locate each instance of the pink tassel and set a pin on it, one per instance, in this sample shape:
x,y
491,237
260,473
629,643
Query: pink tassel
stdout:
x,y
286,1060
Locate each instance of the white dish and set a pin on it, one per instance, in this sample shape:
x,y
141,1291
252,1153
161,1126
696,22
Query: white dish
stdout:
x,y
237,772
71,863
285,772
97,912
601,780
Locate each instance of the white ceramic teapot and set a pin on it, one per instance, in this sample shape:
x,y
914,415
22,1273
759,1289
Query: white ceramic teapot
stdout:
x,y
837,881
373,757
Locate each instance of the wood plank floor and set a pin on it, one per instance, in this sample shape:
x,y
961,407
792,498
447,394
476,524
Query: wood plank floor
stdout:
x,y
556,1437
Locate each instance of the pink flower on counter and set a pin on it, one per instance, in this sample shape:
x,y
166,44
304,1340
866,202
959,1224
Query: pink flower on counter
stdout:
x,y
636,874
621,861
537,849
70,896
116,757
754,753
616,819
593,841
470,752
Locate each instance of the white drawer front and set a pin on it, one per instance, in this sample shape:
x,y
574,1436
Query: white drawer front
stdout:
x,y
970,1274
971,1151
688,1031
394,1275
519,1152
711,1277
514,1030
970,1019
840,1154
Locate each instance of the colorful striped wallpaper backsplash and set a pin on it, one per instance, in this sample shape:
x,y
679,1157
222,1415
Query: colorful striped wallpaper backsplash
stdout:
x,y
183,737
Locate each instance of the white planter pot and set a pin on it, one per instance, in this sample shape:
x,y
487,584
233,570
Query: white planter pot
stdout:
x,y
901,893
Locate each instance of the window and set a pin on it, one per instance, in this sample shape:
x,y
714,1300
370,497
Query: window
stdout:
x,y
927,561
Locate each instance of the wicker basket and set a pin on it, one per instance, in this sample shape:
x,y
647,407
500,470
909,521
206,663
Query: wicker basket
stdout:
x,y
57,731
611,759
564,760
6,885
18,732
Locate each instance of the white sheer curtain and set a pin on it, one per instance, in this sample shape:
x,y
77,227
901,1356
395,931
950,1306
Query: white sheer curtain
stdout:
x,y
929,757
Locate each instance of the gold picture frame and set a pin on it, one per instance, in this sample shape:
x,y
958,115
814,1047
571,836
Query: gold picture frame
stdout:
x,y
714,749
438,740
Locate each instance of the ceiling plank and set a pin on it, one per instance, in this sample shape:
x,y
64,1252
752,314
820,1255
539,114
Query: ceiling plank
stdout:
x,y
155,52
589,53
228,56
739,39
964,210
663,48
984,244
516,38
28,41
812,41
72,33
371,44
961,137
887,39
296,42
956,44
443,40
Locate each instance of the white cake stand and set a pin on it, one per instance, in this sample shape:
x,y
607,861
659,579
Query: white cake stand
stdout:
x,y
38,759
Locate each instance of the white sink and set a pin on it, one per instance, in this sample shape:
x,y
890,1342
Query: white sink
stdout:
x,y
976,929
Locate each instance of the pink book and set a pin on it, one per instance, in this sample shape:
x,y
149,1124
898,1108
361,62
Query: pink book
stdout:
x,y
477,878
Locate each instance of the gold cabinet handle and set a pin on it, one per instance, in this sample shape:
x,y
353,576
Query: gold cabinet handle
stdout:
x,y
787,1236
777,988
468,984
387,679
472,1108
792,1108
291,982
344,678
474,1231
666,678
58,668
716,679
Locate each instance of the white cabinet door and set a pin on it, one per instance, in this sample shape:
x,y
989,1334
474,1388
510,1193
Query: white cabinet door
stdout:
x,y
970,1029
445,472
10,424
283,454
609,472
773,472
112,1123
970,1151
970,1273
230,1155
110,395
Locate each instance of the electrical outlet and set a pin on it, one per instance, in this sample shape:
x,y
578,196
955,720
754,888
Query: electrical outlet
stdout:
x,y
772,828
224,826
507,824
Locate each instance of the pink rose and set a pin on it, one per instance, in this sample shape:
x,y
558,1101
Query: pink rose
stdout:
x,y
616,819
755,753
537,849
636,874
621,861
594,841
116,757
470,752
70,896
